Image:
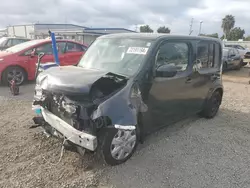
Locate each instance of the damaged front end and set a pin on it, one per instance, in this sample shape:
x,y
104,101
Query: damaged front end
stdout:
x,y
77,104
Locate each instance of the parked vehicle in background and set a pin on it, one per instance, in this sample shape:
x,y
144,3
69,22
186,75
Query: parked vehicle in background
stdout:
x,y
153,79
244,52
7,42
247,58
19,62
231,59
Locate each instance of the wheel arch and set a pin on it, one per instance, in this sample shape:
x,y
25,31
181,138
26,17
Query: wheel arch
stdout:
x,y
219,89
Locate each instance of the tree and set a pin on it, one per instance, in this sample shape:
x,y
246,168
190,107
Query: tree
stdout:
x,y
214,35
163,29
236,33
247,38
227,24
146,29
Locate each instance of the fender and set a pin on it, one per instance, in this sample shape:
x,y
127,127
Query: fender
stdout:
x,y
218,86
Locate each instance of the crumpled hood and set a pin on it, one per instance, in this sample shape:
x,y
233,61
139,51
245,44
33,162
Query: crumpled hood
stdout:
x,y
69,79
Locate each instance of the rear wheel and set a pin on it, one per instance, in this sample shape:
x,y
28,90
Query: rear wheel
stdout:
x,y
16,73
212,105
119,145
238,67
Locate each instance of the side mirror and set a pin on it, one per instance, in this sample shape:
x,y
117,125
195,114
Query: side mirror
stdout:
x,y
33,53
232,55
166,71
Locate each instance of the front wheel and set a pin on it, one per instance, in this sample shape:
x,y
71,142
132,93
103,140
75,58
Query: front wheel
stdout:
x,y
212,105
14,73
119,145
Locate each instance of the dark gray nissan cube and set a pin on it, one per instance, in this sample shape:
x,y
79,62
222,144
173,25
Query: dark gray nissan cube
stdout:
x,y
127,86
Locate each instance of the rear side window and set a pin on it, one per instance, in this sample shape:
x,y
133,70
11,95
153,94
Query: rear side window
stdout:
x,y
74,47
208,54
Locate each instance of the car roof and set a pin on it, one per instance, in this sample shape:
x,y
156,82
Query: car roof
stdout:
x,y
155,36
228,48
17,38
57,40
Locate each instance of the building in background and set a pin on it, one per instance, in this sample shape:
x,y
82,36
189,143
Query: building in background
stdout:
x,y
68,31
3,32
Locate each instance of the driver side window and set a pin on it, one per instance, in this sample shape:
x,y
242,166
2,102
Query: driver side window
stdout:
x,y
174,54
45,48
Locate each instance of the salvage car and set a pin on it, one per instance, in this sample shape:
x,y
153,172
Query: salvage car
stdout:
x,y
231,59
19,62
125,87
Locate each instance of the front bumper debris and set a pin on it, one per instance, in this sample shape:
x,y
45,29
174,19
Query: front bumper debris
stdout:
x,y
79,138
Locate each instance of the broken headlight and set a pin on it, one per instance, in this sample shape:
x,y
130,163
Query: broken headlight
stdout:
x,y
38,92
69,108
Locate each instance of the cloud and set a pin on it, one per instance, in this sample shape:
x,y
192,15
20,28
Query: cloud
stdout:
x,y
175,14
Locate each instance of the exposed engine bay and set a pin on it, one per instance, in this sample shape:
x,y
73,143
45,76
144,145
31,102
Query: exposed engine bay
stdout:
x,y
78,104
76,109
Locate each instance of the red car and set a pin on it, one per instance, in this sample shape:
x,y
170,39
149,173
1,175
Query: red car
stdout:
x,y
19,61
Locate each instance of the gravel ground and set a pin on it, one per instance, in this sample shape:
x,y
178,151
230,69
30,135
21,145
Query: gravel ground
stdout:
x,y
192,153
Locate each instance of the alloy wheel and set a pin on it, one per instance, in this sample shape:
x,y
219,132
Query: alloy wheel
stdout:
x,y
15,74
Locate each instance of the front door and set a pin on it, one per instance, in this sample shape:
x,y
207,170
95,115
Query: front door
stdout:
x,y
171,92
45,48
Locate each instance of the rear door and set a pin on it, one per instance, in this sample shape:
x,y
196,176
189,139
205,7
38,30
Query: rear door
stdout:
x,y
73,53
206,69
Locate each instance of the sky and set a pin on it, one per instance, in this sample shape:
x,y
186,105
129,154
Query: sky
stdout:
x,y
130,14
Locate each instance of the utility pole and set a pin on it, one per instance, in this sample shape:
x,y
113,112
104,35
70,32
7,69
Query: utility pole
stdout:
x,y
191,26
200,27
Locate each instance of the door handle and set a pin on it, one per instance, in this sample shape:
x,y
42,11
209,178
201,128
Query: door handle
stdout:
x,y
189,80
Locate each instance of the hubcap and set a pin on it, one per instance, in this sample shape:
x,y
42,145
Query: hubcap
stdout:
x,y
123,144
16,75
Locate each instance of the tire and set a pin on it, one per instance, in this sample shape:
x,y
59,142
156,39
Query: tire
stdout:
x,y
238,67
212,106
108,145
224,68
15,71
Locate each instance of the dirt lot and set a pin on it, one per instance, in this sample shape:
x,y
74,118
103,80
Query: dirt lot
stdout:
x,y
192,153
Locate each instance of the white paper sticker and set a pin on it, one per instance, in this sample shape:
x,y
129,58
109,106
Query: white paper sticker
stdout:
x,y
137,50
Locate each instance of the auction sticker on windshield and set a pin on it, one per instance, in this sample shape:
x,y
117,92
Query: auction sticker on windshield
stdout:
x,y
137,50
